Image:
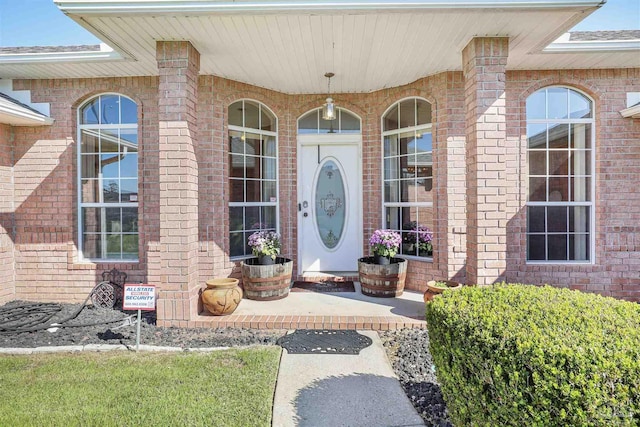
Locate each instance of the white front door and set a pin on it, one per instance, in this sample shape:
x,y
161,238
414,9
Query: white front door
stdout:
x,y
330,200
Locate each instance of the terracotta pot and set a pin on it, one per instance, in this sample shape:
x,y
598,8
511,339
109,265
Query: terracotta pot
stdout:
x,y
222,296
432,290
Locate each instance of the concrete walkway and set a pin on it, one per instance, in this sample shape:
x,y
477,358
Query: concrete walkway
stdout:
x,y
341,390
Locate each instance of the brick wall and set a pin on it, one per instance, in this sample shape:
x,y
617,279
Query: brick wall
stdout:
x,y
7,270
616,271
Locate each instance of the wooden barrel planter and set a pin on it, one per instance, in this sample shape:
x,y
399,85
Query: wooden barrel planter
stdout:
x,y
266,282
385,281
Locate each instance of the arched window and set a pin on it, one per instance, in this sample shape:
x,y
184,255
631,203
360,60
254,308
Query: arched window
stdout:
x,y
560,135
408,175
312,122
253,173
108,178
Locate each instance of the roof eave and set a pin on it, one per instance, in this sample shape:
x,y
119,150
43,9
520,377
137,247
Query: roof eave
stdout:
x,y
631,112
99,7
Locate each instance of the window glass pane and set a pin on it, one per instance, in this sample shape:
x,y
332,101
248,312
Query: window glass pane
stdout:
x,y
393,218
91,112
92,245
236,168
423,191
391,191
407,113
558,136
252,218
236,218
537,162
579,247
235,114
90,140
90,190
581,135
269,146
556,218
328,126
537,136
252,144
407,143
408,166
129,246
558,162
536,219
391,168
537,189
253,167
348,122
391,119
267,120
557,247
251,115
236,190
129,112
110,191
558,189
391,145
109,141
129,166
424,144
109,165
558,103
580,105
536,247
113,220
130,220
236,244
408,190
269,191
579,219
253,190
424,229
89,166
269,167
114,246
581,162
236,142
423,112
580,189
537,105
128,140
91,220
129,190
109,110
308,123
268,214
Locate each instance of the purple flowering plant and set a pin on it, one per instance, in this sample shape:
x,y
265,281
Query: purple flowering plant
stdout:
x,y
425,237
265,243
385,243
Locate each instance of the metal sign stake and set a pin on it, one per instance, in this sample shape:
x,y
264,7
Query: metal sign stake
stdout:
x,y
138,331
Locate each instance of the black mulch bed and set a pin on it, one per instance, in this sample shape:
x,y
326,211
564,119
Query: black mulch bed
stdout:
x,y
150,334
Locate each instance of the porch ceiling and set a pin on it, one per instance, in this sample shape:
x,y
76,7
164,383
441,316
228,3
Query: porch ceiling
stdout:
x,y
289,49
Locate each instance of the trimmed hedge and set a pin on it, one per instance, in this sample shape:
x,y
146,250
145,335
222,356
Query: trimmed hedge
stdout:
x,y
520,355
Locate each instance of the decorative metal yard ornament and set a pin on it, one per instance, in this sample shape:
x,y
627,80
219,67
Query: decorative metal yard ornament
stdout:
x,y
329,109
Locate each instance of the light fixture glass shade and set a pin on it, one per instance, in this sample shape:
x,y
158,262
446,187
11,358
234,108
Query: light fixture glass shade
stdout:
x,y
329,110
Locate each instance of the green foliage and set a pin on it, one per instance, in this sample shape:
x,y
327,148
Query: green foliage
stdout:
x,y
223,388
518,355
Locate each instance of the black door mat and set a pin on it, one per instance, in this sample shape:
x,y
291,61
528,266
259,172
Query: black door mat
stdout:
x,y
324,286
324,341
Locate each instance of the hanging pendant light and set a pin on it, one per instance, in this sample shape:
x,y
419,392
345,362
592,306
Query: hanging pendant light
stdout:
x,y
329,109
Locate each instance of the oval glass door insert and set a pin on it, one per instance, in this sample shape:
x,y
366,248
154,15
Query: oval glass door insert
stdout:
x,y
330,204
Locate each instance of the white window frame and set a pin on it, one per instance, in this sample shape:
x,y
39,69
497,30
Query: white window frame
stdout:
x,y
101,205
590,204
255,204
426,127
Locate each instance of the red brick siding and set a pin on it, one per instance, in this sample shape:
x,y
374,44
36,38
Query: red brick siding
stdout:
x,y
7,267
616,271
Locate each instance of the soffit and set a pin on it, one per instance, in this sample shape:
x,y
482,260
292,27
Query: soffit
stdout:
x,y
290,52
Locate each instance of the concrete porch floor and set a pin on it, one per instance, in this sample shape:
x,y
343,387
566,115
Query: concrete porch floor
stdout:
x,y
312,310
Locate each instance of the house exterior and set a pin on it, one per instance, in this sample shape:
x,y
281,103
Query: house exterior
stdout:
x,y
478,127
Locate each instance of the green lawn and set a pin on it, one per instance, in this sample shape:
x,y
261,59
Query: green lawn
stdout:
x,y
225,388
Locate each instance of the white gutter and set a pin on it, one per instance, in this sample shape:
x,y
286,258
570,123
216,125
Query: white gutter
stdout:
x,y
633,112
104,54
593,46
102,7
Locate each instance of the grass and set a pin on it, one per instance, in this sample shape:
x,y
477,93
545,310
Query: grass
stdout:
x,y
225,388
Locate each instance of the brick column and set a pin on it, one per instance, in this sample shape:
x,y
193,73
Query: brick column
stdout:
x,y
174,264
484,63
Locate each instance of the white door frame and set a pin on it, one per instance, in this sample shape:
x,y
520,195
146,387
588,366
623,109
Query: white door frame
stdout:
x,y
328,140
